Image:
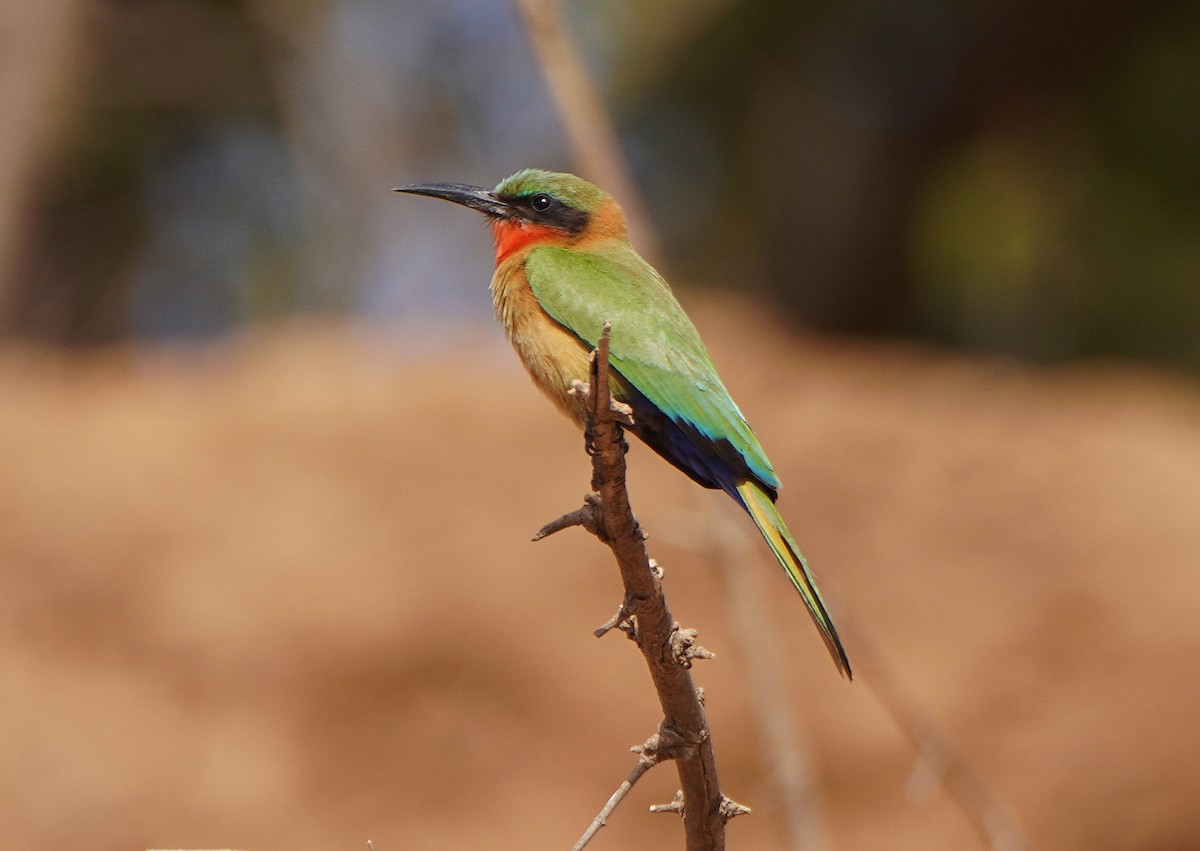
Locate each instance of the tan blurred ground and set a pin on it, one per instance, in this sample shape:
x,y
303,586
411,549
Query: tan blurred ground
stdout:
x,y
280,595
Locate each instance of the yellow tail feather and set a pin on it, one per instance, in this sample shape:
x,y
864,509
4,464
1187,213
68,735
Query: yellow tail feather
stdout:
x,y
774,530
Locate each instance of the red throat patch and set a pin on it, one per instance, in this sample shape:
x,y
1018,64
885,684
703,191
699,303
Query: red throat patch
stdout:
x,y
512,235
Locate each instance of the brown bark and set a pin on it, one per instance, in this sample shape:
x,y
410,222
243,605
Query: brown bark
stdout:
x,y
683,734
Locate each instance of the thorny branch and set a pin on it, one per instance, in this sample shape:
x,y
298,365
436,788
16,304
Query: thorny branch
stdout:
x,y
683,734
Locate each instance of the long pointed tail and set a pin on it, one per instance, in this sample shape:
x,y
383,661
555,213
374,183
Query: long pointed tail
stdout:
x,y
760,507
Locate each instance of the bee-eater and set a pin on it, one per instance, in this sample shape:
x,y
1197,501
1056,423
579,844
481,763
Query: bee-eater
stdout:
x,y
564,266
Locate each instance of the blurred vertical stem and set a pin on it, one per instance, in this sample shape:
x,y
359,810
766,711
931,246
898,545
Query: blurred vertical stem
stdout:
x,y
39,61
790,761
593,138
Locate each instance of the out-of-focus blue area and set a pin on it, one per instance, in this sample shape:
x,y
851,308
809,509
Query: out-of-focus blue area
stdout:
x,y
1015,176
253,217
221,207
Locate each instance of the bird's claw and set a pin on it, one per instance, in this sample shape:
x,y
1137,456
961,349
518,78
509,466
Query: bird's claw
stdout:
x,y
619,411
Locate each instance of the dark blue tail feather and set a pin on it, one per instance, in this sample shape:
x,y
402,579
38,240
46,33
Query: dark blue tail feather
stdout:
x,y
712,463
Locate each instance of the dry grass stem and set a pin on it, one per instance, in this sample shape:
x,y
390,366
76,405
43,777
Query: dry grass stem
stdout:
x,y
593,138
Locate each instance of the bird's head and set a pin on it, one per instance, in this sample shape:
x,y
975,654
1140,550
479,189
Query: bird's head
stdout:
x,y
535,207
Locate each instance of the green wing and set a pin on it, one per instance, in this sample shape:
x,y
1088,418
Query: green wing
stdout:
x,y
654,345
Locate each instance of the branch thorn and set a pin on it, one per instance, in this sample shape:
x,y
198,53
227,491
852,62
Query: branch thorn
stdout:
x,y
685,650
731,809
676,806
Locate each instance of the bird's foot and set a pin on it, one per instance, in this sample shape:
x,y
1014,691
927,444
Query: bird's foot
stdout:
x,y
618,411
621,412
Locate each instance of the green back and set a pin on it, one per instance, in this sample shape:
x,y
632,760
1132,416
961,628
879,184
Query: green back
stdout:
x,y
653,344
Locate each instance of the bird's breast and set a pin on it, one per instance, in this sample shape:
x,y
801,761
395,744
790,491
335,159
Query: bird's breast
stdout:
x,y
553,356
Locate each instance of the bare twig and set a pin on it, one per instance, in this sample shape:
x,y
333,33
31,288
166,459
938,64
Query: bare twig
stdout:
x,y
585,516
620,619
591,133
683,734
648,757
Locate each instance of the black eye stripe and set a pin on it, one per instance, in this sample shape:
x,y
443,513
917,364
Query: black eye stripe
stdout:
x,y
544,209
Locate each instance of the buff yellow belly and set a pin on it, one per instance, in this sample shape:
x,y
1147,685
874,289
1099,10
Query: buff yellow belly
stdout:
x,y
553,356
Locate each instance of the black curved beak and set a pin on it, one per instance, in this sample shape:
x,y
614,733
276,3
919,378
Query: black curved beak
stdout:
x,y
475,197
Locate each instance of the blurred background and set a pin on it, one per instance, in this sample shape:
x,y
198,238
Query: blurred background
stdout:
x,y
264,571
1010,177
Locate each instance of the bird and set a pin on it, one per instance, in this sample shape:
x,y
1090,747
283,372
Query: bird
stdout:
x,y
564,267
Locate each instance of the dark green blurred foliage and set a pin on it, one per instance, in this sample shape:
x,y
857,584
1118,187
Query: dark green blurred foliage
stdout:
x,y
1020,177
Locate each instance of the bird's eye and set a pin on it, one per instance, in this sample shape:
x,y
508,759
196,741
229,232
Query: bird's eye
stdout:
x,y
541,203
